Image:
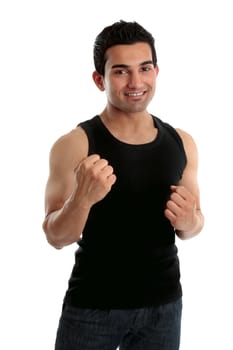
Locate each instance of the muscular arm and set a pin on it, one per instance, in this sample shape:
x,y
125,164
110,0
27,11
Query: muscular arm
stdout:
x,y
75,183
183,208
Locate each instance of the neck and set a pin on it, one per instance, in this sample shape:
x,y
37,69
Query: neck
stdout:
x,y
121,119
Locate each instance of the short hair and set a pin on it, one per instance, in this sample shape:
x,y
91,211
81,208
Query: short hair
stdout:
x,y
120,33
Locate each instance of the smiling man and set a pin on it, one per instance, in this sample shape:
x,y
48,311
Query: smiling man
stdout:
x,y
123,185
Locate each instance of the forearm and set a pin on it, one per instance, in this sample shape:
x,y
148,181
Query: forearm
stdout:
x,y
65,226
196,228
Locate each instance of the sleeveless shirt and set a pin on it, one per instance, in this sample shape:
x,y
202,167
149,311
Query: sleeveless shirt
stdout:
x,y
127,255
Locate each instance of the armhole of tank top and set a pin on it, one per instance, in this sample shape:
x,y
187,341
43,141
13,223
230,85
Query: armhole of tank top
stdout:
x,y
176,136
173,132
88,131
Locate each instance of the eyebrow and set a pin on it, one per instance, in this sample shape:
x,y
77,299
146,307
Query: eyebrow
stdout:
x,y
127,66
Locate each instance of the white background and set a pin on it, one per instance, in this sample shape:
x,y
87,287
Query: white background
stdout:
x,y
46,89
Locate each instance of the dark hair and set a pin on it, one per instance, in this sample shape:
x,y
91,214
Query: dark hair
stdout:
x,y
120,33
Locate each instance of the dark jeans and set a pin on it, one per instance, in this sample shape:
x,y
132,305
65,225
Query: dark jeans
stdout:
x,y
151,328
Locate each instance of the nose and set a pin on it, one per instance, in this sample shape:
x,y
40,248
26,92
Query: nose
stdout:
x,y
135,80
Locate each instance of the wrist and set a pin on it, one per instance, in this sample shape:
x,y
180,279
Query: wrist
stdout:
x,y
194,230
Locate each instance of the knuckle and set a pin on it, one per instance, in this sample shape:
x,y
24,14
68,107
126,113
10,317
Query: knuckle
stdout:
x,y
110,168
93,172
103,162
82,166
173,196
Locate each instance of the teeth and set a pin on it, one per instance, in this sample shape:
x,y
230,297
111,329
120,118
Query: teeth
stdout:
x,y
135,94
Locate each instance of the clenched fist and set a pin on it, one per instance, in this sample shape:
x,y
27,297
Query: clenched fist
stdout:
x,y
94,179
181,209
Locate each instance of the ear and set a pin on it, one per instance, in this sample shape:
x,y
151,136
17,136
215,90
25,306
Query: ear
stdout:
x,y
157,70
98,80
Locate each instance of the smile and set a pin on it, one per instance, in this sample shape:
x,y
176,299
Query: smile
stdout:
x,y
135,94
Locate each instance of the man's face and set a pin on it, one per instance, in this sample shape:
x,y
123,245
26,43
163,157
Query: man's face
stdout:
x,y
130,77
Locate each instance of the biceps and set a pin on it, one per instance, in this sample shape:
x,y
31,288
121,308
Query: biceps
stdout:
x,y
58,190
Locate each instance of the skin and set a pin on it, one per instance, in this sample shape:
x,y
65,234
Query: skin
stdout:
x,y
77,181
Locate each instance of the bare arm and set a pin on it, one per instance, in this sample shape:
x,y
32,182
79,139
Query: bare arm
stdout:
x,y
183,208
75,183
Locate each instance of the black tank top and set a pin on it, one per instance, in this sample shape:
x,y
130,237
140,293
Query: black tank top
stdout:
x,y
127,255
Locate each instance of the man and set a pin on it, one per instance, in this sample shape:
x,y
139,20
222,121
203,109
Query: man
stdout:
x,y
123,184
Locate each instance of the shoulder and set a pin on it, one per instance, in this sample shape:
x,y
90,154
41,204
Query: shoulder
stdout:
x,y
187,139
74,137
70,148
189,144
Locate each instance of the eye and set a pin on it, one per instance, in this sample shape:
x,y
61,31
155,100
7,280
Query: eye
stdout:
x,y
146,68
120,72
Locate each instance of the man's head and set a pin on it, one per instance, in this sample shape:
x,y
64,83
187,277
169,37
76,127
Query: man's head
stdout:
x,y
120,33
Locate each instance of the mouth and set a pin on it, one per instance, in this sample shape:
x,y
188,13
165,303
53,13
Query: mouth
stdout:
x,y
135,94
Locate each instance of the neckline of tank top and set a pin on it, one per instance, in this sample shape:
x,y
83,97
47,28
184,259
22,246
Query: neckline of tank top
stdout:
x,y
150,144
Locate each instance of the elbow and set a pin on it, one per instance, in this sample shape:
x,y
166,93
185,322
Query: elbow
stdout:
x,y
52,239
54,242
